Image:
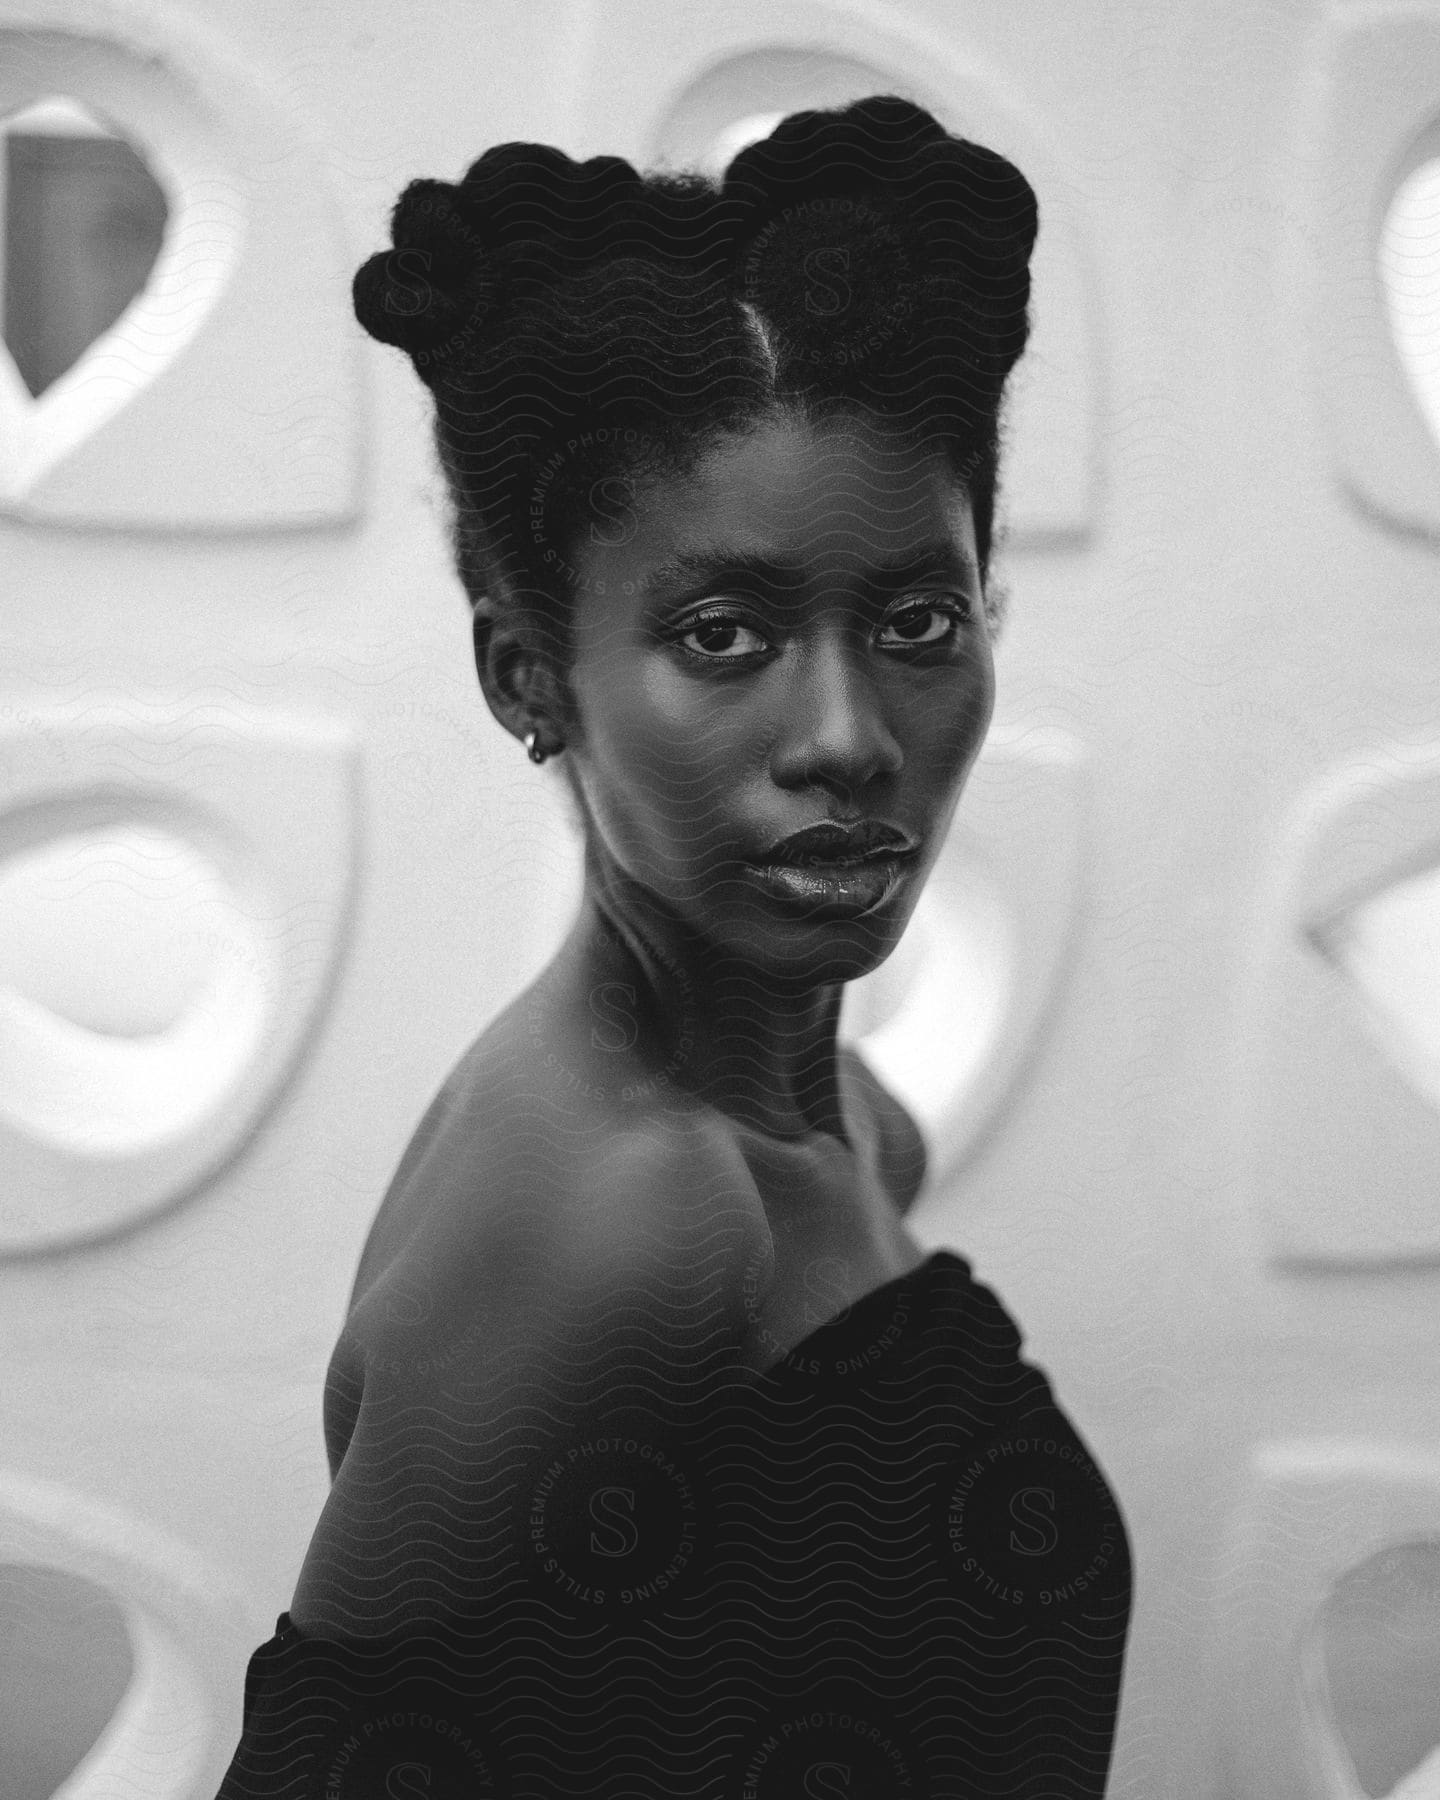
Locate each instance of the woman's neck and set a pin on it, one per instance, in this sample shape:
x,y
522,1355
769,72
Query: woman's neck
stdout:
x,y
766,1057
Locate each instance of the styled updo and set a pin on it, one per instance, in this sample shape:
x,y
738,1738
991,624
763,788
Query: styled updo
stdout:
x,y
580,325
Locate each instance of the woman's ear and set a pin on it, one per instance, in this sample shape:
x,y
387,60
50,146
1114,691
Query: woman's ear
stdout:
x,y
519,683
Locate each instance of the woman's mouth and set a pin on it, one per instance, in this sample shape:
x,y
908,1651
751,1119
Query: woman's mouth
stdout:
x,y
833,888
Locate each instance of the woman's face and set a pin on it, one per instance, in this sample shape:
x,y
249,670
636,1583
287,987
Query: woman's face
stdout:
x,y
795,636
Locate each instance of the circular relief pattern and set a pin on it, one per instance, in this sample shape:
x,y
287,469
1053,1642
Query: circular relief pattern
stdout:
x,y
413,1743
615,1525
828,1745
1026,1522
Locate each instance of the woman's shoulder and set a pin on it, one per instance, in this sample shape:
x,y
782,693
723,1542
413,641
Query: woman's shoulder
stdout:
x,y
527,1160
539,1232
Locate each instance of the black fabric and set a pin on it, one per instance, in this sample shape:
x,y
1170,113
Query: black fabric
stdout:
x,y
887,1567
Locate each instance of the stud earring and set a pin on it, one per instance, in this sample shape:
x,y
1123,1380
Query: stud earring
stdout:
x,y
532,747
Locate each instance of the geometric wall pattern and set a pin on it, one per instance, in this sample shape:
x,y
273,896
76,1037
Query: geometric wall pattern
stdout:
x,y
247,196
1170,1030
175,892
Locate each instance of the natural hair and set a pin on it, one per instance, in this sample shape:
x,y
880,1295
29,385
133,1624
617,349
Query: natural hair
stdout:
x,y
580,325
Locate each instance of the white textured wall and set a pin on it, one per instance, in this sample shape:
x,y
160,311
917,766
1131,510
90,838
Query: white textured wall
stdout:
x,y
1197,1165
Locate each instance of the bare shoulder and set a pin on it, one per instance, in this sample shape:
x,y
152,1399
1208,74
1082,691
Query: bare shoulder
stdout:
x,y
559,1235
901,1147
583,1267
525,1186
539,1144
527,1166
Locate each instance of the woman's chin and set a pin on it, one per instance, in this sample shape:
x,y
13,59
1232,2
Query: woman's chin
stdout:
x,y
815,952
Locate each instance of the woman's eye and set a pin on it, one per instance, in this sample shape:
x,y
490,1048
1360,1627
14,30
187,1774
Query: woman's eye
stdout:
x,y
921,626
722,640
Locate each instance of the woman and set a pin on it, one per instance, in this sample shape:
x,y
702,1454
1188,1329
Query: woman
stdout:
x,y
664,1459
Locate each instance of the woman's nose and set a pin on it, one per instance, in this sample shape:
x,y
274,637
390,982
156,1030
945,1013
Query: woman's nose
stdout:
x,y
833,728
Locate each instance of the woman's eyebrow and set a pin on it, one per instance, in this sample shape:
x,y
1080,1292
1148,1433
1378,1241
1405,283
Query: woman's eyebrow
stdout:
x,y
722,563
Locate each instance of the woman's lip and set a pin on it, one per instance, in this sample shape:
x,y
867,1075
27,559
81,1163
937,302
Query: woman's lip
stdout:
x,y
833,888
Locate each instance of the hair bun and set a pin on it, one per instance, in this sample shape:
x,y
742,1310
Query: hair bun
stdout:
x,y
520,209
813,155
960,209
536,194
436,281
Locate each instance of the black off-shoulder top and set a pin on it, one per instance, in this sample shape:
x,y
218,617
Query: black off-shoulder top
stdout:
x,y
886,1567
